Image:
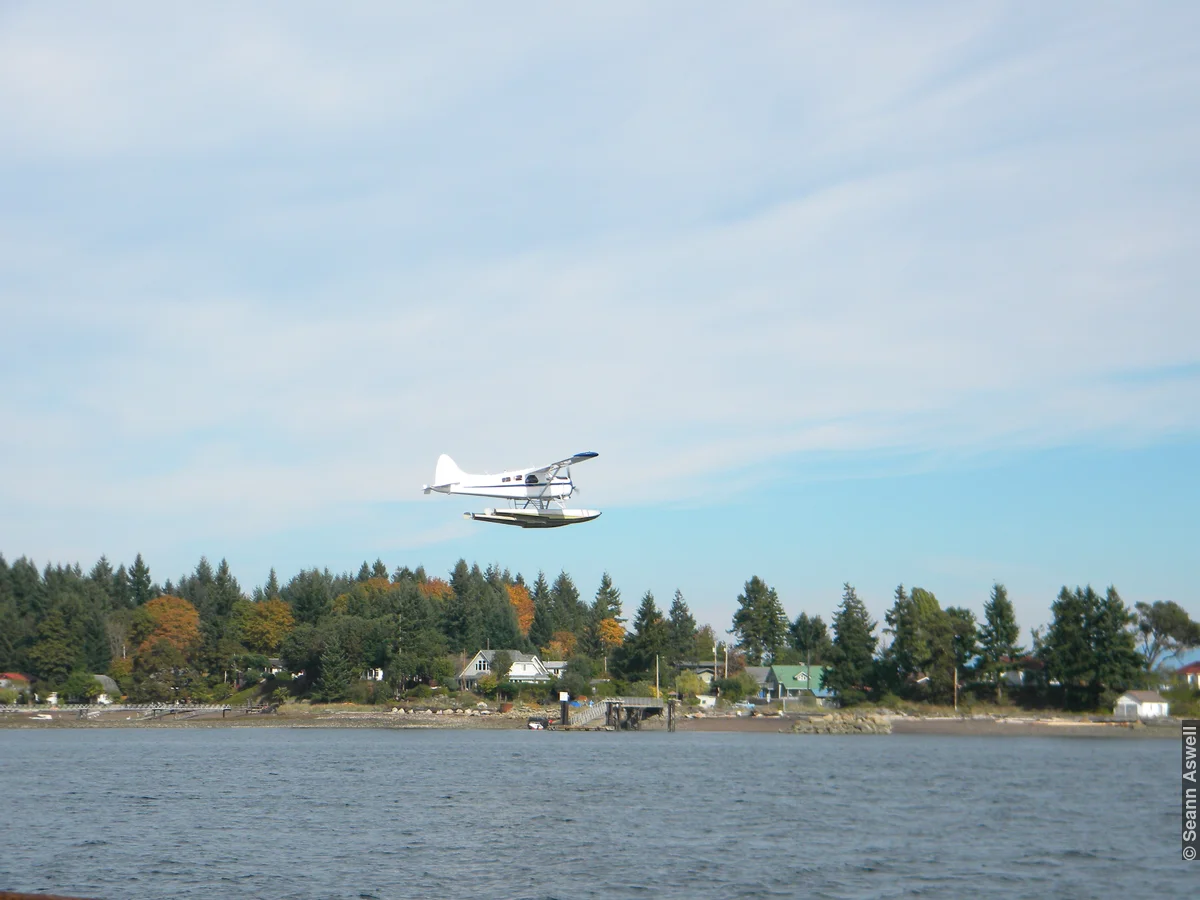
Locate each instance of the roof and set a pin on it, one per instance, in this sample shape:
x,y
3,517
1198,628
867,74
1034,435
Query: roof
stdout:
x,y
805,678
106,682
14,676
758,673
1189,669
490,655
1143,696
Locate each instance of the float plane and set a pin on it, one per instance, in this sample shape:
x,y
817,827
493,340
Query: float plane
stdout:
x,y
530,492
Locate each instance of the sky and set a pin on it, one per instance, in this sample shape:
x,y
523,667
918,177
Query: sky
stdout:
x,y
838,292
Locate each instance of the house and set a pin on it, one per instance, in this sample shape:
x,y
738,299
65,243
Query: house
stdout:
x,y
555,668
1141,705
796,681
14,680
274,665
526,668
372,675
1192,673
759,674
705,671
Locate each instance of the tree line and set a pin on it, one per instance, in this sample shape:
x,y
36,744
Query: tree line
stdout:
x,y
202,637
1085,657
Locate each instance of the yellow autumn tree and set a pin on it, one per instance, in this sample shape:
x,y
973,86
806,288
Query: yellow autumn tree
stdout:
x,y
611,633
265,625
519,597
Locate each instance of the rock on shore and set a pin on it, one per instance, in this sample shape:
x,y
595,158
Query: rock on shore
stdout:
x,y
843,723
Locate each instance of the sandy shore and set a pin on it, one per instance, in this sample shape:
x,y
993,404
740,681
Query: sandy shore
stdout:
x,y
301,716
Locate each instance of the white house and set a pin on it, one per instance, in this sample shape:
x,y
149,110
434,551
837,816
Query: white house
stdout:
x,y
526,668
1141,705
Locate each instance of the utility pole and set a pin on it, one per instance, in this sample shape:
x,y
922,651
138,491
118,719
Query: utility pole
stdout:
x,y
727,661
956,687
657,693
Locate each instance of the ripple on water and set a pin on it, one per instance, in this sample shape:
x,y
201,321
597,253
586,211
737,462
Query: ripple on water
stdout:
x,y
374,815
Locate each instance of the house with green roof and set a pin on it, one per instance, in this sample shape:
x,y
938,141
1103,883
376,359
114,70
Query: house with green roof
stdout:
x,y
796,681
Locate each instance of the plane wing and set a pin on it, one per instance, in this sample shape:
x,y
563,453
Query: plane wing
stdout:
x,y
569,461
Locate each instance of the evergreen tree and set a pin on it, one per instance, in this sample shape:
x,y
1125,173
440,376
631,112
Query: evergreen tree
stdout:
x,y
921,657
463,615
379,570
635,658
566,611
140,588
1117,664
122,597
810,638
102,576
760,622
336,671
54,655
607,604
850,672
998,648
272,588
542,627
1066,648
681,630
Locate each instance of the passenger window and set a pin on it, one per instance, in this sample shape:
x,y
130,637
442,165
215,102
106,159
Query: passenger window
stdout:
x,y
506,478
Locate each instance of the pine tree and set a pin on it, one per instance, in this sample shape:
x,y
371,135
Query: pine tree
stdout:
x,y
1117,665
607,604
998,648
1066,646
850,672
636,656
542,627
566,611
810,638
379,570
760,622
139,583
336,672
681,630
272,588
121,597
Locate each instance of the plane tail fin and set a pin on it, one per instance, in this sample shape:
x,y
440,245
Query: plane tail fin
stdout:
x,y
447,471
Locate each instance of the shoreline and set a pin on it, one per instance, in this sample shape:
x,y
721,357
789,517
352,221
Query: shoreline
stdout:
x,y
300,717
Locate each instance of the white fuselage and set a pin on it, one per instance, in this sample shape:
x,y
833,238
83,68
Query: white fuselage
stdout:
x,y
516,485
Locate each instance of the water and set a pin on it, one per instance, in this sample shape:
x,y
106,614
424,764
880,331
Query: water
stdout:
x,y
361,813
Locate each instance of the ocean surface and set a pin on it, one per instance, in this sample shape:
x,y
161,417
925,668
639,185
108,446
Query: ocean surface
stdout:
x,y
363,813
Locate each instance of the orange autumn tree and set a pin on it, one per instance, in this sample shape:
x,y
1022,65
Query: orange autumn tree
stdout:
x,y
170,619
519,597
436,588
561,646
264,625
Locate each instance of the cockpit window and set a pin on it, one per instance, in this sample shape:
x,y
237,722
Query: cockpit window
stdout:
x,y
531,479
